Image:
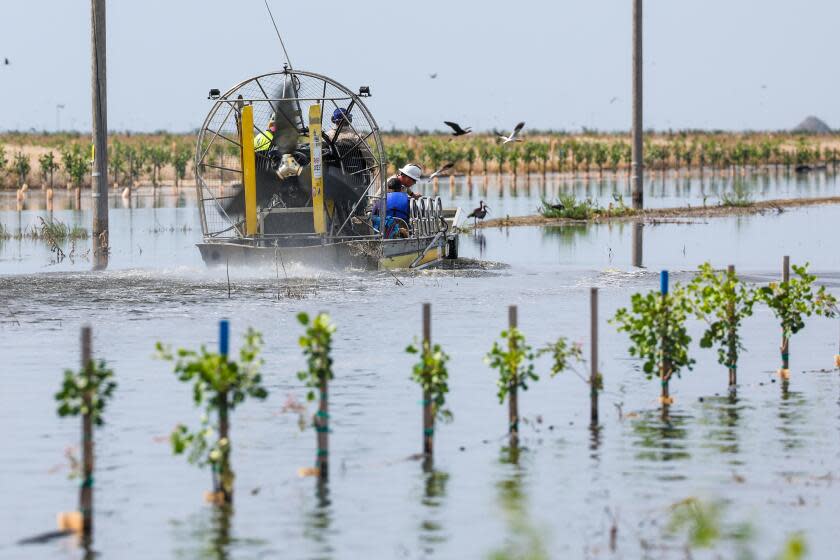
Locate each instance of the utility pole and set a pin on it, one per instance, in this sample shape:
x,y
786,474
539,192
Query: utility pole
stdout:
x,y
99,175
638,164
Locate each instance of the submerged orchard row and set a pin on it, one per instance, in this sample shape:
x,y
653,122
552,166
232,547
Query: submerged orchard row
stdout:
x,y
655,322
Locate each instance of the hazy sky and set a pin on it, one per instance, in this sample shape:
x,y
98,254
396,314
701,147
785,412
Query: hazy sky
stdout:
x,y
731,64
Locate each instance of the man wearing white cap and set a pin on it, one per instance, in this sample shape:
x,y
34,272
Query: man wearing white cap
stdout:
x,y
406,176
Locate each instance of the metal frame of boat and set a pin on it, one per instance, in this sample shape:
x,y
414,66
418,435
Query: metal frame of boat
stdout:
x,y
313,233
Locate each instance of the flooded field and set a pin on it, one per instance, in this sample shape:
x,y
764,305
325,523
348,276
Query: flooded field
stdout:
x,y
767,455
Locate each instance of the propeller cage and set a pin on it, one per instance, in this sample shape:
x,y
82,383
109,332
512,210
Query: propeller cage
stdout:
x,y
351,149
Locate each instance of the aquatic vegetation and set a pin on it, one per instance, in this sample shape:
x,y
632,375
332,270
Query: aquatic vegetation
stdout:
x,y
723,302
53,232
219,385
740,196
568,206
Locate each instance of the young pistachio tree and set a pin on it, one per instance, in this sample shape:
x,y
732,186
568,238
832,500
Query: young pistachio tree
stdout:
x,y
791,302
219,385
316,343
48,167
86,393
658,335
514,360
723,302
431,374
22,167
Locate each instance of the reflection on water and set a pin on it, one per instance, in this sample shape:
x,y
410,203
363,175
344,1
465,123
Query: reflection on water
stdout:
x,y
432,531
480,242
523,194
206,534
524,539
722,415
318,523
661,438
791,415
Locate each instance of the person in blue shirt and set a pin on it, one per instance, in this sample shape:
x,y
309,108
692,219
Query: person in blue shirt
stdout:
x,y
398,207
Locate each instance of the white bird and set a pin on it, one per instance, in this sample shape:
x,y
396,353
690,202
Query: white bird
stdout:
x,y
513,135
444,168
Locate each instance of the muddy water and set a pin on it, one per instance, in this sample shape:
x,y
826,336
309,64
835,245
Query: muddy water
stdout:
x,y
769,455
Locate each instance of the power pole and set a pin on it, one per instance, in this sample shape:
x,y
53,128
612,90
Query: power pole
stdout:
x,y
638,164
99,175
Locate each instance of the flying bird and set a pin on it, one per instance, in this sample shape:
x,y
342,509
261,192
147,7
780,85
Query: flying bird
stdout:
x,y
433,76
613,100
513,135
6,61
479,213
456,128
443,169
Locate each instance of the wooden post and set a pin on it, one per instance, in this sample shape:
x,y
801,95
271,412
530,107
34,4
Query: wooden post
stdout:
x,y
223,481
428,416
513,402
731,334
593,342
665,365
637,244
86,488
99,176
637,164
322,428
785,347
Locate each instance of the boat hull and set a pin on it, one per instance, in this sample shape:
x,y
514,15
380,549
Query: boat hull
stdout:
x,y
415,253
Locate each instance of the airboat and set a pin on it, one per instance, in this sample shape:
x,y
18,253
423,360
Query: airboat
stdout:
x,y
308,192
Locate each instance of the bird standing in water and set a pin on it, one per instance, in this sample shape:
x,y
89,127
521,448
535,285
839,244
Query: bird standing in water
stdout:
x,y
479,213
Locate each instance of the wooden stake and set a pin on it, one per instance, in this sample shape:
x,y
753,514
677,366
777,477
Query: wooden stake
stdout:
x,y
322,428
86,488
732,343
513,402
593,337
428,416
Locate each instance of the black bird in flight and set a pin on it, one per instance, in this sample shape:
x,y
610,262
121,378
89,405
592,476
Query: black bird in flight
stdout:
x,y
456,128
433,76
479,213
6,61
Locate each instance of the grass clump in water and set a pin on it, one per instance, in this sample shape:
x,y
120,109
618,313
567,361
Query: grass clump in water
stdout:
x,y
54,231
569,207
739,197
58,231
